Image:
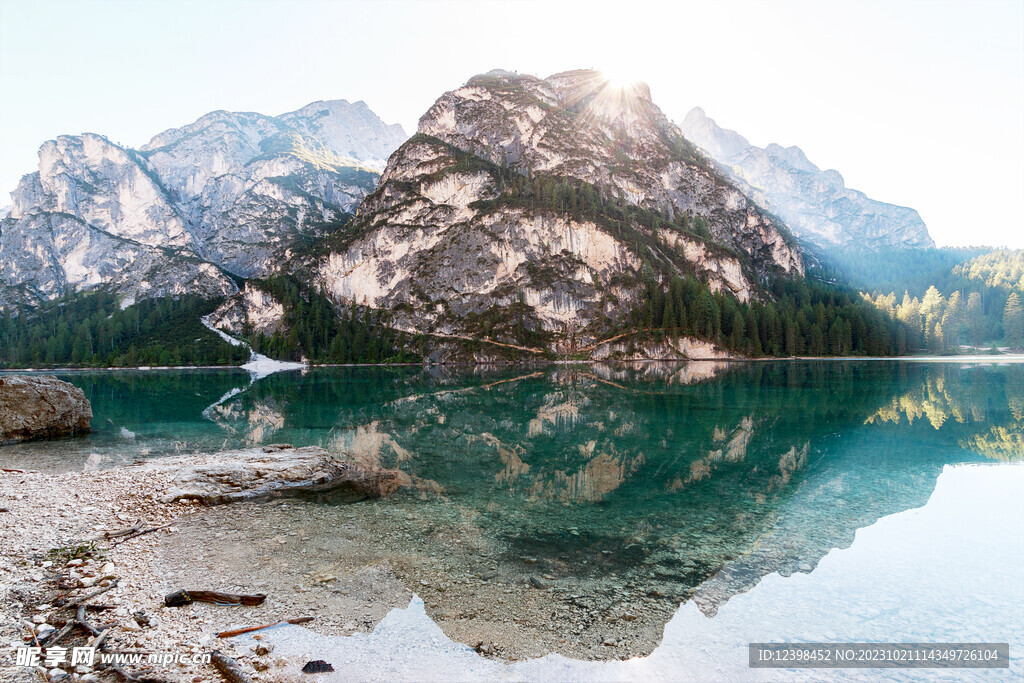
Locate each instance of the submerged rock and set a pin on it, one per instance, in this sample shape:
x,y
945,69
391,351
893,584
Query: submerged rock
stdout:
x,y
41,406
317,666
252,473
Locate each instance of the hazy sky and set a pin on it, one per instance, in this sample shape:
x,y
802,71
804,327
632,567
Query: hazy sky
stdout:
x,y
915,103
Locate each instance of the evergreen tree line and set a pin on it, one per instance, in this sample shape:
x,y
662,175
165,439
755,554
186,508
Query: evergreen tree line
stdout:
x,y
951,296
91,329
937,323
1013,322
582,200
315,330
897,270
806,318
999,268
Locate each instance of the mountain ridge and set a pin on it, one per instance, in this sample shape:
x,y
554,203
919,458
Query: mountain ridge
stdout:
x,y
232,189
815,203
528,218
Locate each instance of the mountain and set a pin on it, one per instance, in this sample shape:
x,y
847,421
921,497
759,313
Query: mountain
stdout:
x,y
543,206
815,204
225,196
527,218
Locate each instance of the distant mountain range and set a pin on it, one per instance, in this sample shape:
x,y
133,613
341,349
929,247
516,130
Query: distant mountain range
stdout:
x,y
225,196
816,205
537,216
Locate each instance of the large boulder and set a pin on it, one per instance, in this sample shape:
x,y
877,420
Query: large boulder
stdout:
x,y
40,407
259,472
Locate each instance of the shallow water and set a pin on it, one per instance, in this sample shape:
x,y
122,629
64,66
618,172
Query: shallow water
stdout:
x,y
624,490
948,571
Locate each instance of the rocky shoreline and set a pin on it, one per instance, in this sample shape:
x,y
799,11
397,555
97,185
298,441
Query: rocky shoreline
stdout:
x,y
54,550
66,536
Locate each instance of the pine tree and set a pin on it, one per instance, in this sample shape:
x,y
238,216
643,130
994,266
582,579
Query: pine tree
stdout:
x,y
952,319
738,330
1013,322
975,319
670,323
932,306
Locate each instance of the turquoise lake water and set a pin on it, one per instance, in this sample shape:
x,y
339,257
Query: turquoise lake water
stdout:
x,y
691,482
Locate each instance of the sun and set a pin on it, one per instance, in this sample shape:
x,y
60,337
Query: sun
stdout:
x,y
620,79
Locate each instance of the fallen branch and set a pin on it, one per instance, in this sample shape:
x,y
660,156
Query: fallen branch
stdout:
x,y
90,596
250,629
61,634
143,533
84,623
97,642
485,341
107,535
611,339
183,597
229,668
99,608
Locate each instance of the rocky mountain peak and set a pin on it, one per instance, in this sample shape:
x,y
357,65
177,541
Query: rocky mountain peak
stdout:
x,y
580,124
718,142
815,204
349,130
534,206
231,191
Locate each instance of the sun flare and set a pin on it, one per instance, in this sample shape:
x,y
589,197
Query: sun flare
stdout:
x,y
619,79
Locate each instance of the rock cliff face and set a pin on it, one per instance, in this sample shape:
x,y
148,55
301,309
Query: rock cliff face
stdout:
x,y
815,204
538,204
250,311
228,194
34,407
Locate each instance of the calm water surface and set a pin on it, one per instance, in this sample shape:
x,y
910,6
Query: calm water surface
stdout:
x,y
692,482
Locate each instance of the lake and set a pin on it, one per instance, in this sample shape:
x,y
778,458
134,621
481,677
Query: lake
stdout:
x,y
700,495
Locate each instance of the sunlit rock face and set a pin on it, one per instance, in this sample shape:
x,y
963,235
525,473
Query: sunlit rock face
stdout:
x,y
349,130
581,125
95,214
250,311
441,245
816,205
229,193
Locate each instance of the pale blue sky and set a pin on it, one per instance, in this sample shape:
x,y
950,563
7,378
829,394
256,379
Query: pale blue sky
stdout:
x,y
916,103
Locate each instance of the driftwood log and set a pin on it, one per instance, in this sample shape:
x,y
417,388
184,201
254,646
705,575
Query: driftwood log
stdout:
x,y
95,593
183,597
107,535
229,668
277,470
250,629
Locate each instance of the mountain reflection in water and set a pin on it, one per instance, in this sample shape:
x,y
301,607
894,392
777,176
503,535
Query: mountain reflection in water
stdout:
x,y
628,487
